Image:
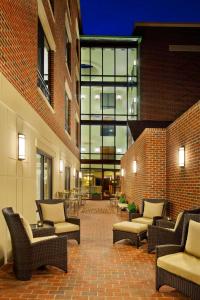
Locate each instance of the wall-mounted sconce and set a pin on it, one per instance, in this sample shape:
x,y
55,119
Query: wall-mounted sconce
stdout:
x,y
134,166
181,156
21,146
74,172
122,172
80,175
61,166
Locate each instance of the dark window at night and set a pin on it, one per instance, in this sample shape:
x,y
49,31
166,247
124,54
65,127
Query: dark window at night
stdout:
x,y
67,51
52,5
67,178
77,133
43,62
67,114
107,100
78,91
108,130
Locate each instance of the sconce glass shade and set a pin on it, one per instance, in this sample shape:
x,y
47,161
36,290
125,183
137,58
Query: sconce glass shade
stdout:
x,y
74,172
181,154
61,167
122,172
21,146
134,166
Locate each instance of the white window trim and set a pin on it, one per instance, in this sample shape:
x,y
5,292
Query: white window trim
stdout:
x,y
52,14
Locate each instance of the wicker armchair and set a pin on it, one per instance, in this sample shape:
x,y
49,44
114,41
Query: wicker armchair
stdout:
x,y
29,255
72,228
134,216
167,232
177,267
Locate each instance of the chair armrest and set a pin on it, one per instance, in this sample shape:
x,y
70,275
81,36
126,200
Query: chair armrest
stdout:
x,y
48,222
134,216
73,220
156,218
165,223
167,249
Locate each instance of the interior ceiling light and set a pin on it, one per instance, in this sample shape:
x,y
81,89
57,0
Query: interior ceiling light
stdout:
x,y
134,99
118,97
97,149
83,97
119,150
135,62
97,97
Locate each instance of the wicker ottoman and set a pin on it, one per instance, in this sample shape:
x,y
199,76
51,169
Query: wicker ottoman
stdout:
x,y
129,230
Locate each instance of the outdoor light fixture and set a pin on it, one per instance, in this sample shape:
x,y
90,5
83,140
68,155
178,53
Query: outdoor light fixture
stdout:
x,y
181,154
74,172
21,146
97,150
134,166
61,167
122,172
80,174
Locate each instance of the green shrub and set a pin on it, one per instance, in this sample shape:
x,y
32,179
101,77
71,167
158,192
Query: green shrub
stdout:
x,y
132,207
122,199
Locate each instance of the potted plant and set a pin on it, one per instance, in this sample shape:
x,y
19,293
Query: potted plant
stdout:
x,y
122,198
96,196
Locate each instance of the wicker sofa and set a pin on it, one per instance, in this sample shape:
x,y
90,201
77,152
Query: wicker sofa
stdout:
x,y
30,253
179,265
167,232
54,212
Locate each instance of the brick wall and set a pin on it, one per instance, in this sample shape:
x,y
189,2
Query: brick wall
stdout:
x,y
149,181
169,79
19,59
183,183
159,175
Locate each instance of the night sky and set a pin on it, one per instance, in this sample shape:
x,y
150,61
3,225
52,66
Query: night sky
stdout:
x,y
117,17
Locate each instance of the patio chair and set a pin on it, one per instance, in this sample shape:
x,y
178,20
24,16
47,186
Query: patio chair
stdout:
x,y
179,265
54,212
30,253
152,210
167,232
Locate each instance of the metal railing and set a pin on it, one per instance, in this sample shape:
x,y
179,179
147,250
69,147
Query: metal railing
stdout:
x,y
42,84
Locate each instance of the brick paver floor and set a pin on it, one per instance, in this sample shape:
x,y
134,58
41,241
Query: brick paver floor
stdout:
x,y
97,269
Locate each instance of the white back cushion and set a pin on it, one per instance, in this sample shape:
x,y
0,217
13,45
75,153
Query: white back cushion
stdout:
x,y
192,246
53,212
152,209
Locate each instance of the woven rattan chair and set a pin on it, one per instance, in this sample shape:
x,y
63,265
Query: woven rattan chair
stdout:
x,y
72,233
167,234
181,261
30,255
140,215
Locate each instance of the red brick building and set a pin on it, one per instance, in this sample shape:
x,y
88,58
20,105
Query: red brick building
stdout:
x,y
39,98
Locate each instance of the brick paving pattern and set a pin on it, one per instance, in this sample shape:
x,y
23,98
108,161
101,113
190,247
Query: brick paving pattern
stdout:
x,y
96,268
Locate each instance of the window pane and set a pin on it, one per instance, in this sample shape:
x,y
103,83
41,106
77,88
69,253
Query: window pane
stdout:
x,y
132,61
121,61
96,63
132,101
47,178
96,140
85,64
95,100
108,100
121,101
108,61
121,140
38,176
108,130
85,100
85,139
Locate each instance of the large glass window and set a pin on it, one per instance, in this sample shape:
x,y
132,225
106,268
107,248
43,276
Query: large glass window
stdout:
x,y
43,62
67,51
67,178
43,176
67,114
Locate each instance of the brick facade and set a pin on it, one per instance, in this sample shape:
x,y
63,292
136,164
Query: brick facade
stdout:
x,y
19,59
158,175
169,80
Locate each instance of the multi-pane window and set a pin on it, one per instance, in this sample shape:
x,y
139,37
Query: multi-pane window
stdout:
x,y
107,130
77,133
67,51
107,100
43,176
43,62
67,178
67,114
78,91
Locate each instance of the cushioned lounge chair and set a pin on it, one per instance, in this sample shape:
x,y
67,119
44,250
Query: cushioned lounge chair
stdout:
x,y
30,253
54,212
167,234
179,265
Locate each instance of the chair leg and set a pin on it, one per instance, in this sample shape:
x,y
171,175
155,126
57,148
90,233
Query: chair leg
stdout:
x,y
23,275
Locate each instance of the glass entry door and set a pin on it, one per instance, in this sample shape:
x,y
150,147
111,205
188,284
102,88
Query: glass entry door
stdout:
x,y
108,187
43,176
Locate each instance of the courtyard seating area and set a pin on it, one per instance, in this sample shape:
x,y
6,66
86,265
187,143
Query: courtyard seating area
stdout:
x,y
96,269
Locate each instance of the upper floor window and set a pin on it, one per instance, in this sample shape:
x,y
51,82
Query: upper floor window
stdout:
x,y
78,91
77,133
67,51
67,114
107,100
43,62
108,130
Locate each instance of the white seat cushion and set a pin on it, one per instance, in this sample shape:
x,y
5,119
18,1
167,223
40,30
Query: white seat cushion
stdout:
x,y
152,209
143,220
181,264
192,246
65,227
43,238
130,227
53,212
122,205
